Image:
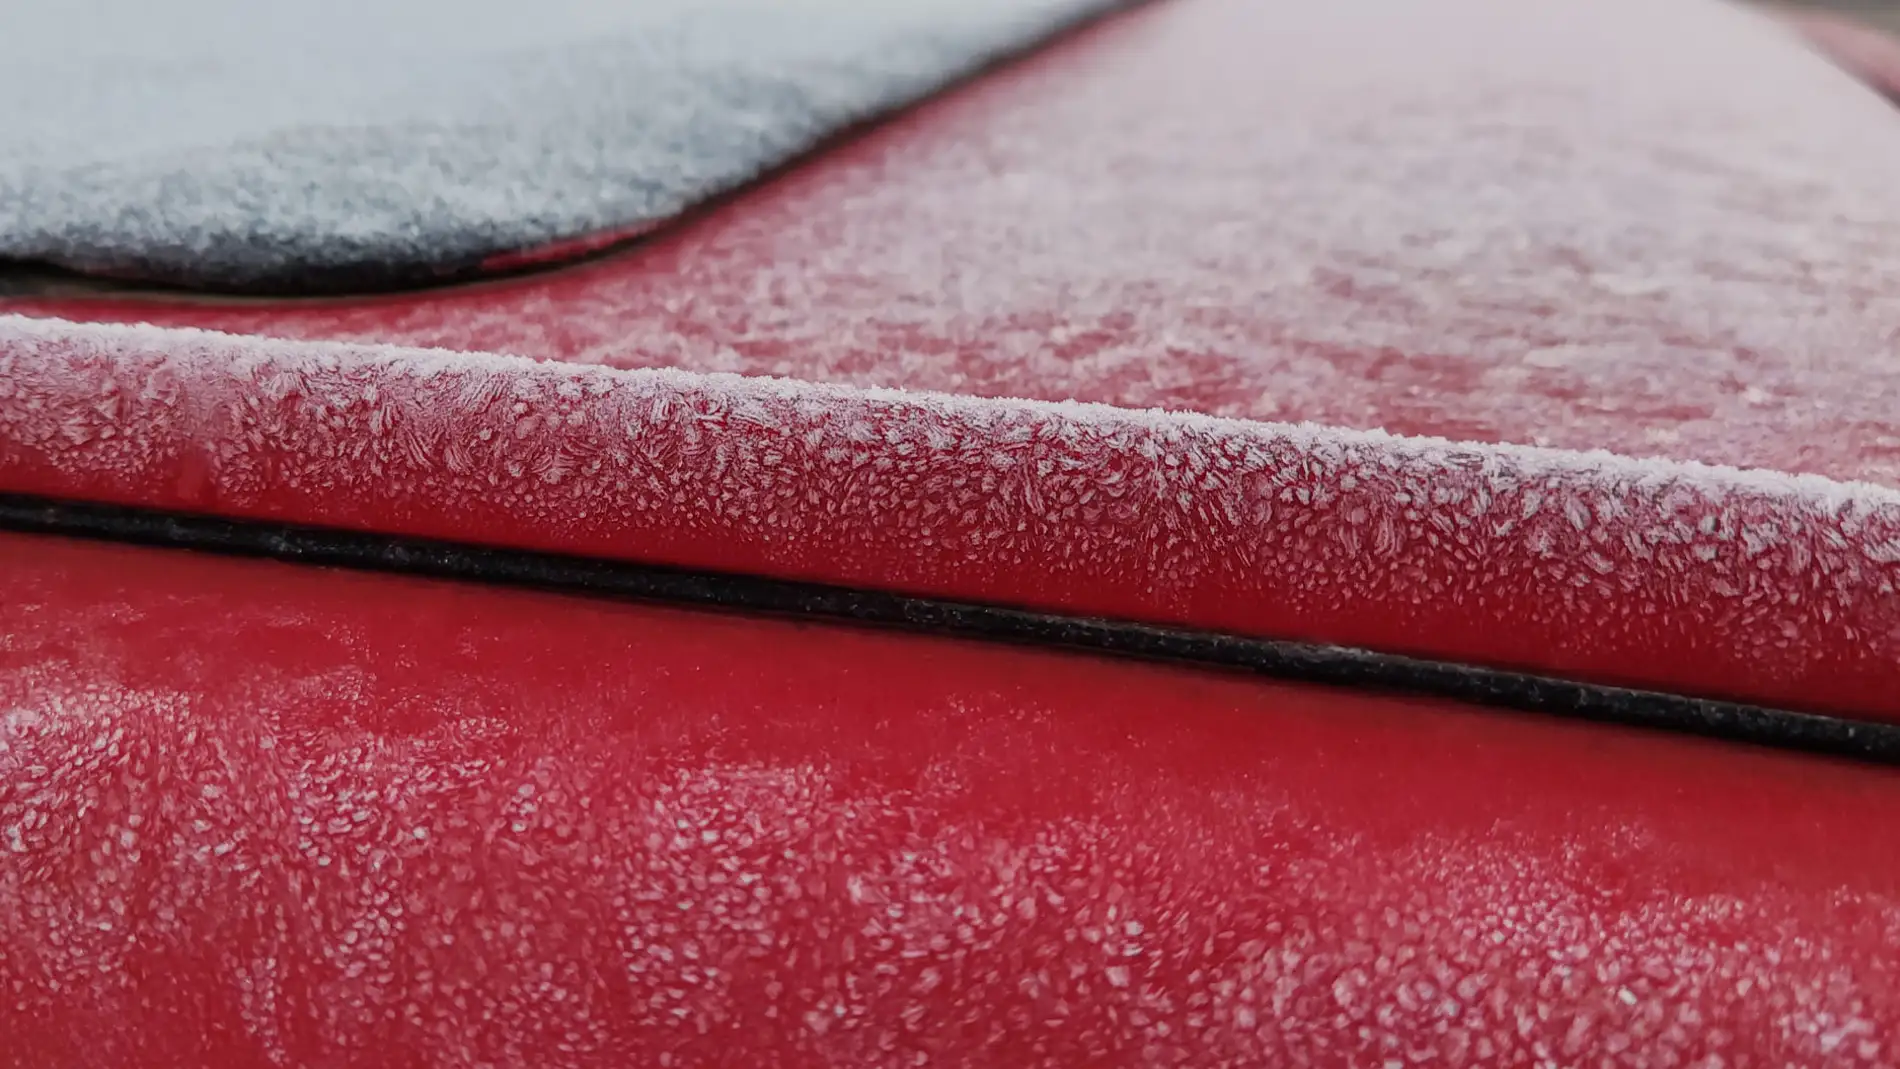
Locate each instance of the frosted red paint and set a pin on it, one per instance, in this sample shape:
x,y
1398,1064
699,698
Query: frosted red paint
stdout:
x,y
1676,577
253,814
1655,228
1869,53
257,814
1480,218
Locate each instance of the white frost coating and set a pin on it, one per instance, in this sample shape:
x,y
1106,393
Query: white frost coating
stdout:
x,y
1651,226
238,143
808,906
1777,587
34,348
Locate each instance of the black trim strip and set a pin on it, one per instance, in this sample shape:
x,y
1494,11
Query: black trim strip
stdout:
x,y
1333,665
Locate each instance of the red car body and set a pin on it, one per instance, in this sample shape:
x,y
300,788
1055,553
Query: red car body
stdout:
x,y
1380,384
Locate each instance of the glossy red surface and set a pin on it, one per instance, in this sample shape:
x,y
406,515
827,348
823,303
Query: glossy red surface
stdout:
x,y
257,814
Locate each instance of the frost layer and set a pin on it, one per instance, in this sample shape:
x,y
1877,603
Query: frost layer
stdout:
x,y
361,142
256,814
1682,577
1658,227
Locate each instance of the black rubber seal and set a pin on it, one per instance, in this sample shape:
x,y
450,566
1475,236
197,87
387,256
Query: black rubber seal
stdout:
x,y
1331,665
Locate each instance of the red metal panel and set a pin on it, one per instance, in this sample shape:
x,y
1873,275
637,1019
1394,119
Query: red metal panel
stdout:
x,y
1761,588
255,814
1488,220
1662,229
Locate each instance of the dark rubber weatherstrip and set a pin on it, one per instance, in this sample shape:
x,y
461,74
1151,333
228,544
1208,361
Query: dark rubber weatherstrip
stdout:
x,y
1332,665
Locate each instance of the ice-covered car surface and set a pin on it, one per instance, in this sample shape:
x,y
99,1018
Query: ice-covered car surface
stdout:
x,y
305,147
1477,360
